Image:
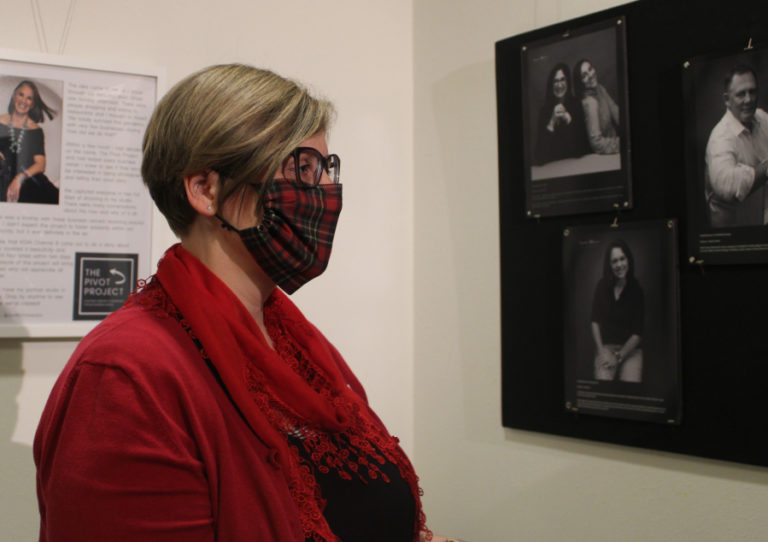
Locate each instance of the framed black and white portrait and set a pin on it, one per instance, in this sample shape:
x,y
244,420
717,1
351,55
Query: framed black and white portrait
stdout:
x,y
726,98
621,321
576,121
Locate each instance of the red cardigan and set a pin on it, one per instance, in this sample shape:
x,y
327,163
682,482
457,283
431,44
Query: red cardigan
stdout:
x,y
139,442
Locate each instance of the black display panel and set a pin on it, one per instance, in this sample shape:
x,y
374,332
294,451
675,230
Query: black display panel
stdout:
x,y
723,347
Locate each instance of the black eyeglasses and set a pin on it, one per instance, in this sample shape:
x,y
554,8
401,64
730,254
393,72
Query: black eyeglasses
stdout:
x,y
306,164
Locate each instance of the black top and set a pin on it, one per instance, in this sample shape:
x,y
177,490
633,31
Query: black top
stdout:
x,y
568,140
36,189
32,143
621,318
366,510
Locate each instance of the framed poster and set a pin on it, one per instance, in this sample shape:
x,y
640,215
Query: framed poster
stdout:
x,y
70,184
576,121
726,98
621,321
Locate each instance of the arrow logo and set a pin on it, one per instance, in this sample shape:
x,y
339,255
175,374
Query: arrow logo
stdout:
x,y
117,273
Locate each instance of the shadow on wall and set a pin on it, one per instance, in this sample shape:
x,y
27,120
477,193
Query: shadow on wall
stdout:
x,y
19,516
464,108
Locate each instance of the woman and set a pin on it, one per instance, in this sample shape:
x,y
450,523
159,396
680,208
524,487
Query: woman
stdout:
x,y
208,408
617,318
23,155
601,114
560,130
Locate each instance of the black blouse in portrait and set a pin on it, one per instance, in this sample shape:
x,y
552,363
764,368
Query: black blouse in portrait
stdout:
x,y
621,318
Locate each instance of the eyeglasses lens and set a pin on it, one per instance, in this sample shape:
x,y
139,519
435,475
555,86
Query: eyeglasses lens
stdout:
x,y
333,164
310,166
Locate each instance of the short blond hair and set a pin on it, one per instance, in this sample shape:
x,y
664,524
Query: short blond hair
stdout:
x,y
237,120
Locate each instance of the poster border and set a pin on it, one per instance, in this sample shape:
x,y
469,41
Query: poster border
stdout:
x,y
666,388
738,245
597,180
78,328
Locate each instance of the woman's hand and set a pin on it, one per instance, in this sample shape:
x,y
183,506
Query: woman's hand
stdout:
x,y
12,194
606,357
606,364
560,116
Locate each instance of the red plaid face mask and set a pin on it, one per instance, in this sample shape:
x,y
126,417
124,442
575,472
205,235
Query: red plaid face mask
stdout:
x,y
293,242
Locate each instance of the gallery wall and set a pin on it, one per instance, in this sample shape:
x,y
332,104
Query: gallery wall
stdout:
x,y
484,483
357,55
412,294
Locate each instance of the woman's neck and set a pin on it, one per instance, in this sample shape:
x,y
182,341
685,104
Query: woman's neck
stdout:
x,y
225,255
18,121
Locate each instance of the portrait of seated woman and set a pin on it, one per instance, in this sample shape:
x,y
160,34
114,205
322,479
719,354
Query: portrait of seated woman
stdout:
x,y
22,148
561,132
601,114
618,312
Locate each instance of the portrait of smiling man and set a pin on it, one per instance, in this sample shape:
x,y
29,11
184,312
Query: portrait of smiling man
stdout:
x,y
737,155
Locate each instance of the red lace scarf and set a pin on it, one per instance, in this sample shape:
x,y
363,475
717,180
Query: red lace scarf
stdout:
x,y
303,389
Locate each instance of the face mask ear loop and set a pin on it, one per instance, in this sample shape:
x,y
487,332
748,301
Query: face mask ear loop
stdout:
x,y
259,210
226,225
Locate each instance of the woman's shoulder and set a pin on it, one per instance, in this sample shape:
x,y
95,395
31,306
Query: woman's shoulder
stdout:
x,y
113,342
604,94
30,125
35,136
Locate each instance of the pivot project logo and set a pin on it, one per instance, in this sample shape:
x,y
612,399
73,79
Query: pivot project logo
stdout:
x,y
102,283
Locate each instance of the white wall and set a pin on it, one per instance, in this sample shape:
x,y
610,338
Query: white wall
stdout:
x,y
484,483
357,54
415,267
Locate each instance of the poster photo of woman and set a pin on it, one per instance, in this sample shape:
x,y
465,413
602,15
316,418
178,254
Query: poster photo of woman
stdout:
x,y
575,116
621,321
618,309
30,140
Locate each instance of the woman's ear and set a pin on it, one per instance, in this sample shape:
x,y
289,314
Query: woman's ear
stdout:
x,y
202,188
